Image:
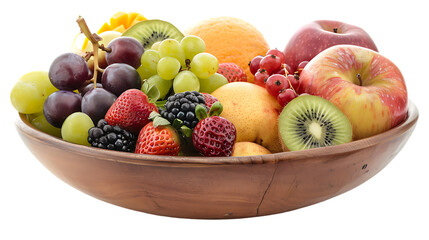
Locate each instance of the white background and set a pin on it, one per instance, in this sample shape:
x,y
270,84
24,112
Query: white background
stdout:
x,y
34,204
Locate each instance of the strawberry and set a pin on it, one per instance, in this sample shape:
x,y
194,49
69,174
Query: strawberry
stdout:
x,y
158,140
232,72
214,135
209,100
130,111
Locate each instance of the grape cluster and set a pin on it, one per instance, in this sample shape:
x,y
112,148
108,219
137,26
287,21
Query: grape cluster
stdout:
x,y
76,93
180,66
272,73
70,72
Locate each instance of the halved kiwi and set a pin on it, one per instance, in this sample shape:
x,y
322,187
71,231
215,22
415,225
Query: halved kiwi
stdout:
x,y
149,32
310,121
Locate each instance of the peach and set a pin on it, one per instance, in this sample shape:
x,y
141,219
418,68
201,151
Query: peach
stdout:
x,y
253,111
248,149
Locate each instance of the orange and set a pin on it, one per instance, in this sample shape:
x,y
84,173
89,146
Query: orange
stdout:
x,y
231,40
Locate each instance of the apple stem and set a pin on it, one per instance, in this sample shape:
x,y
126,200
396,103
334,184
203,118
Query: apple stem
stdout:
x,y
94,38
335,30
359,77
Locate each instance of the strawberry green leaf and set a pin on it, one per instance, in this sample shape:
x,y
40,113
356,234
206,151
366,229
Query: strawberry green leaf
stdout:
x,y
160,121
153,115
186,131
216,109
177,123
200,112
160,104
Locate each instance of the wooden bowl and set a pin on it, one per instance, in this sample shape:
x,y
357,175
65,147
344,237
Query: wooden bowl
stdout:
x,y
221,187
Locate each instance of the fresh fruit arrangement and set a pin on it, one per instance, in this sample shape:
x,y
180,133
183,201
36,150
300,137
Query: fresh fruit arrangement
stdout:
x,y
142,86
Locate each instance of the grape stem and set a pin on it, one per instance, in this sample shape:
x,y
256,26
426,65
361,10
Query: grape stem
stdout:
x,y
106,49
94,38
87,56
188,65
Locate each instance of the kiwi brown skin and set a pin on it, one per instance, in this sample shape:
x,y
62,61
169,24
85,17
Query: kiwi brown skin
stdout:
x,y
343,129
150,31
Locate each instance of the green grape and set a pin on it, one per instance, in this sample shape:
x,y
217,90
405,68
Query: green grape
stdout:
x,y
204,65
32,116
186,81
172,48
155,46
26,98
168,67
39,121
149,60
75,128
208,85
144,73
31,91
163,86
192,45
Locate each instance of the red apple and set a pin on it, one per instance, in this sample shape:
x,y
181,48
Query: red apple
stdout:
x,y
366,86
317,36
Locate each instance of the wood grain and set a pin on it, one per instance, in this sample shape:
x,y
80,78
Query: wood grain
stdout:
x,y
217,188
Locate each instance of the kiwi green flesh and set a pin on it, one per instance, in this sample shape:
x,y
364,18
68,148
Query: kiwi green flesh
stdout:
x,y
310,122
149,32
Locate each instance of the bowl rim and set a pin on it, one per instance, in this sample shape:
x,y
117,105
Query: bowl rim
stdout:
x,y
24,127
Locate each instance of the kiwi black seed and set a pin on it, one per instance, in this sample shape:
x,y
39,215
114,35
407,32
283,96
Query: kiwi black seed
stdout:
x,y
310,122
149,32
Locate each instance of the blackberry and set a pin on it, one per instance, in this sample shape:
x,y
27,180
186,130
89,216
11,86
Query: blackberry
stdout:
x,y
111,137
182,106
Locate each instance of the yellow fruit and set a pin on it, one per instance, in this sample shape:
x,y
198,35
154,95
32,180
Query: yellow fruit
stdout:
x,y
231,40
248,149
119,22
253,111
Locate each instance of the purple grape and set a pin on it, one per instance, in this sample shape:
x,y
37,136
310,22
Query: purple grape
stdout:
x,y
119,77
91,75
96,102
126,50
59,105
84,89
68,71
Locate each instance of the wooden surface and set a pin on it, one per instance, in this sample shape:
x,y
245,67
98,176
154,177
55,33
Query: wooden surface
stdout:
x,y
216,188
